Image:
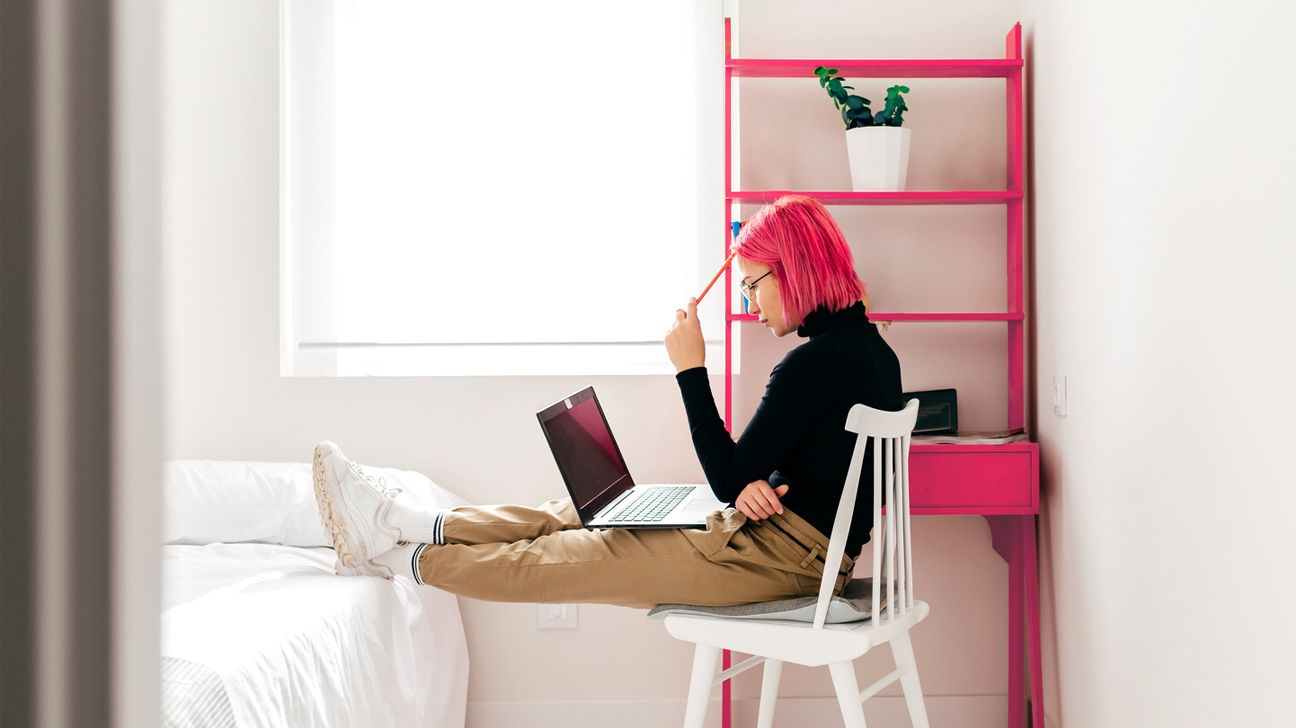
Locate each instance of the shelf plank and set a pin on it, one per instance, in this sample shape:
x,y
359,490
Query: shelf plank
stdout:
x,y
936,317
859,68
966,317
907,197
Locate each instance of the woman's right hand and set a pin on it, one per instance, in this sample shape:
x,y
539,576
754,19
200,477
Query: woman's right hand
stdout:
x,y
684,343
759,501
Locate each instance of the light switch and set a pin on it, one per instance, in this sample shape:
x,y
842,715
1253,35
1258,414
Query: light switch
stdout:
x,y
1059,395
556,616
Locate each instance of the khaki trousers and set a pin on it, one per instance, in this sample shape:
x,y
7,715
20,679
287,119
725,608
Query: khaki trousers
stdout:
x,y
510,553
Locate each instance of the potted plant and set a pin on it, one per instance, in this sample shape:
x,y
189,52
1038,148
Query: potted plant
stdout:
x,y
877,146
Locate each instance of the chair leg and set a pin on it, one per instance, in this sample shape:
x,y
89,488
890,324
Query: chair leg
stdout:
x,y
705,659
902,652
770,675
848,694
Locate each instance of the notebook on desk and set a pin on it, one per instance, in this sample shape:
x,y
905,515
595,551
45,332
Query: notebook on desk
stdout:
x,y
596,476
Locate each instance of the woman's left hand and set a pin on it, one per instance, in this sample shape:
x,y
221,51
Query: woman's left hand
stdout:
x,y
684,341
759,501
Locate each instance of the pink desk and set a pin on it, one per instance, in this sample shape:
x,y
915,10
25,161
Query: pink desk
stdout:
x,y
1001,484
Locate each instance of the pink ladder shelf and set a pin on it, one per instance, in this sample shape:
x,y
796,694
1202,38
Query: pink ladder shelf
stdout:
x,y
997,482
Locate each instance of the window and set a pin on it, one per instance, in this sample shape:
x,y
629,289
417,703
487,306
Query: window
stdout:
x,y
496,188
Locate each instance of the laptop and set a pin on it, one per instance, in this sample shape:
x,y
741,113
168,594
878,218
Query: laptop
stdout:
x,y
597,478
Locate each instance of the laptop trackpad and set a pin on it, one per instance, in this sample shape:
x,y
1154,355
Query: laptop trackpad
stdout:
x,y
700,504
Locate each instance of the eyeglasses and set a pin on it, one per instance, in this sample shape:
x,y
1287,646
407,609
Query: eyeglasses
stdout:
x,y
747,288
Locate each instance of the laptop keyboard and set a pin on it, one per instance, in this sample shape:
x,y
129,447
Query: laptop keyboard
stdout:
x,y
654,505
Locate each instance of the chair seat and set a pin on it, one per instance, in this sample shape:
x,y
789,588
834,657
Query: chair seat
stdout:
x,y
854,605
791,641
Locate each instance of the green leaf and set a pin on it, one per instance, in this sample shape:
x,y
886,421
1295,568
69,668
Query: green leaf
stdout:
x,y
858,112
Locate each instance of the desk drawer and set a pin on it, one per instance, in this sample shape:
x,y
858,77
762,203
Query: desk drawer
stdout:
x,y
984,479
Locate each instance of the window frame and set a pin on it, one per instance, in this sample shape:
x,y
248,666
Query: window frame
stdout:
x,y
304,352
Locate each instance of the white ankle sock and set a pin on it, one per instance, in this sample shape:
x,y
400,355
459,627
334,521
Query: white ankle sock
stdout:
x,y
416,526
403,560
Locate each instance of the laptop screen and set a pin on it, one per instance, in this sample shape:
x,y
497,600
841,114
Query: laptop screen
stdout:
x,y
587,455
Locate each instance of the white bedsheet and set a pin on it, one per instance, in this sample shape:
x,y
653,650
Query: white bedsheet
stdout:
x,y
296,645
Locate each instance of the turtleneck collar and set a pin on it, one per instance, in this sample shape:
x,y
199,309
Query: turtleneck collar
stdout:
x,y
821,319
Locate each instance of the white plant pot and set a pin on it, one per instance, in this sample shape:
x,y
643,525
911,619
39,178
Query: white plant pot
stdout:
x,y
879,157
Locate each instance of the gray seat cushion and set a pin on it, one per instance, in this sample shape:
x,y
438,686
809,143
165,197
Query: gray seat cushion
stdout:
x,y
853,605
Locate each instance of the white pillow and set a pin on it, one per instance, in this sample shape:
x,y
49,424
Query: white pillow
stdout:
x,y
222,501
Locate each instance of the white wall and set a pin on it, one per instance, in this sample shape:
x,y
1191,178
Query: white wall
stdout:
x,y
1162,187
478,436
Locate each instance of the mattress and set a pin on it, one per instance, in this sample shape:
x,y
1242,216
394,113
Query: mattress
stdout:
x,y
267,635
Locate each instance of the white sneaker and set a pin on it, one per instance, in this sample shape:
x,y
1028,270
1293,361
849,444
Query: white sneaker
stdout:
x,y
353,506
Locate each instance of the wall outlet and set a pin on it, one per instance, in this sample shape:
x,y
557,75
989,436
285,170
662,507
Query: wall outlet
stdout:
x,y
556,616
1059,395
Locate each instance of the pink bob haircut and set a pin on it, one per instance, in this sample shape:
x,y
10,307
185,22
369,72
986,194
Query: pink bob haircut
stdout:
x,y
797,238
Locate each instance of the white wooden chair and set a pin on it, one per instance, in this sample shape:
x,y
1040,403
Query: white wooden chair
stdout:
x,y
819,643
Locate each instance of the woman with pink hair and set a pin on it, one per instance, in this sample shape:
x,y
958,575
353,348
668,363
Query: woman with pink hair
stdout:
x,y
797,275
783,474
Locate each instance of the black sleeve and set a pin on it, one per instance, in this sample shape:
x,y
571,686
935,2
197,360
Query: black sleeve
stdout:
x,y
781,419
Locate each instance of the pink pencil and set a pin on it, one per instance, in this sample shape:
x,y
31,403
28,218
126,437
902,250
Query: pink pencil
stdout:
x,y
716,277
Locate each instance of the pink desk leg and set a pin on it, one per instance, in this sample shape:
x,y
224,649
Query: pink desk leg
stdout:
x,y
1033,619
726,717
1005,532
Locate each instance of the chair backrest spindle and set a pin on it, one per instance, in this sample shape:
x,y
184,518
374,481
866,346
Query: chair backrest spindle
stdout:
x,y
892,530
908,542
878,548
898,493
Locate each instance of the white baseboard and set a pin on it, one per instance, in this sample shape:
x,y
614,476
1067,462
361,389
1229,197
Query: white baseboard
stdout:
x,y
959,711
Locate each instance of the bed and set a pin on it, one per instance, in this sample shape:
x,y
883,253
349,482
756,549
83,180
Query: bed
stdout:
x,y
257,630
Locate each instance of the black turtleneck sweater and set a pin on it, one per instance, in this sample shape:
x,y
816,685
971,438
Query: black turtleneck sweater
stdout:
x,y
797,435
